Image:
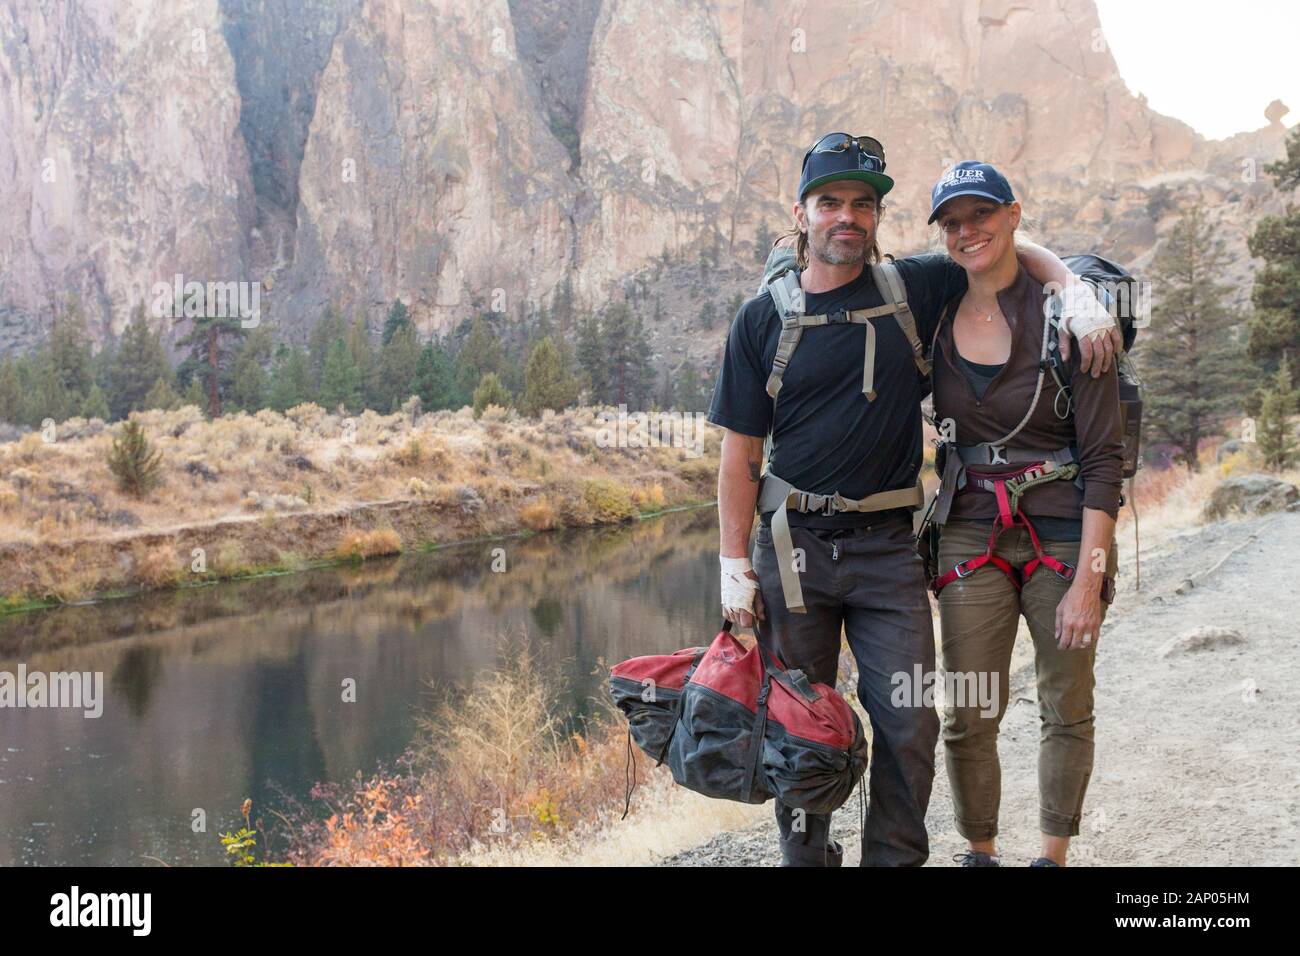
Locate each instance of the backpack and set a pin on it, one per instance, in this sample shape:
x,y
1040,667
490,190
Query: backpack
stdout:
x,y
733,722
1119,291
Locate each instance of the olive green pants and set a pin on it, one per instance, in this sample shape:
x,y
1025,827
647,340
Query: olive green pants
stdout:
x,y
979,619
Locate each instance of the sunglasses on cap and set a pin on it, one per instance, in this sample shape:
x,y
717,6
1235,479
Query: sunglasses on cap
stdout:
x,y
871,155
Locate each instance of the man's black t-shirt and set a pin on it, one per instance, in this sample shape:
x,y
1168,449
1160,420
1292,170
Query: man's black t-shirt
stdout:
x,y
827,436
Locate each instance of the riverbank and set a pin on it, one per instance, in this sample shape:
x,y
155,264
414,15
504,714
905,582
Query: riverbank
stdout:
x,y
246,495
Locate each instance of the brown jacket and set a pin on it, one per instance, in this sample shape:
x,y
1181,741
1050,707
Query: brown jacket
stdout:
x,y
1095,427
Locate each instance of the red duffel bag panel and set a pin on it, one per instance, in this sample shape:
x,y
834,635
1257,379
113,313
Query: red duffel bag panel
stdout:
x,y
733,722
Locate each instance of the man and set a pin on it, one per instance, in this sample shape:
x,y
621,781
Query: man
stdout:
x,y
834,549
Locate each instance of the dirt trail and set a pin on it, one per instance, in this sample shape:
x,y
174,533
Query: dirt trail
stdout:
x,y
1198,753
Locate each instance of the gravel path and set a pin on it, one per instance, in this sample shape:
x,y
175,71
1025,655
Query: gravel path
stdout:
x,y
1198,750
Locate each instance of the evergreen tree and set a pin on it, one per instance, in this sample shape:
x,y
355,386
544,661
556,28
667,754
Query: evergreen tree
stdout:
x,y
290,379
70,350
398,318
708,315
399,362
249,386
11,392
1192,364
435,379
548,383
133,461
322,335
339,381
194,395
490,391
212,345
366,364
139,361
628,356
479,354
1275,434
763,239
163,395
94,405
1275,323
593,357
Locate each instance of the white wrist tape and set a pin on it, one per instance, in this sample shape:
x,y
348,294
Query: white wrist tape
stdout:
x,y
1081,313
737,587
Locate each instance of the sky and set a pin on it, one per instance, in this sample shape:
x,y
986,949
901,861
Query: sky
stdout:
x,y
1213,65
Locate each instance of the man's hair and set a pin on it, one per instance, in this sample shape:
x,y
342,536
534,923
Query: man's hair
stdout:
x,y
801,240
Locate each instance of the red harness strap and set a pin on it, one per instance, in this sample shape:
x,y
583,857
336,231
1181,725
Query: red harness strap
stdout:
x,y
1009,515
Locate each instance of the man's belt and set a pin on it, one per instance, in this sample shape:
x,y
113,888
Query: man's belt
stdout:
x,y
780,497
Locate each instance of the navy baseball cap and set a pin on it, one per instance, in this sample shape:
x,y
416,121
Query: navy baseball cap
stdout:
x,y
841,156
969,178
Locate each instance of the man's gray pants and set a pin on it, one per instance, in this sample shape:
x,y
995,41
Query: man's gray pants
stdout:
x,y
870,582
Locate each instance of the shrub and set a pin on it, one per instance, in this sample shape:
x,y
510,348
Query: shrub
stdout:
x,y
538,515
359,545
608,501
133,461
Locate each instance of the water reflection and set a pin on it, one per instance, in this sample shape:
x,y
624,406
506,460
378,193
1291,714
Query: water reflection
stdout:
x,y
217,693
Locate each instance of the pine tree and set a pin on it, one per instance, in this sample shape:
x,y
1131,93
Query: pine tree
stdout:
x,y
249,387
290,379
547,382
1275,323
763,239
479,354
11,392
593,357
435,379
139,361
212,344
490,391
1275,433
1191,362
398,318
399,362
365,363
162,395
133,461
194,395
331,326
339,381
94,405
708,315
70,350
628,357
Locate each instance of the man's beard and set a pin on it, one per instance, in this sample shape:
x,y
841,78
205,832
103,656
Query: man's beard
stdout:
x,y
836,253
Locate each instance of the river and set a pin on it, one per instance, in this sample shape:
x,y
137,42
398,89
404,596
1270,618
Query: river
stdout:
x,y
235,690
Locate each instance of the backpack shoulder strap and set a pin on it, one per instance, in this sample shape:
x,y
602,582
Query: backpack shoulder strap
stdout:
x,y
890,284
787,296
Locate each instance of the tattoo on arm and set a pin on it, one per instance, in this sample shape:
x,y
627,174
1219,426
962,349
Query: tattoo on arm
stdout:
x,y
754,470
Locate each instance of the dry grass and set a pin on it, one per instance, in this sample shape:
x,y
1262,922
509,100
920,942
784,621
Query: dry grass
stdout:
x,y
497,778
359,545
497,475
1169,502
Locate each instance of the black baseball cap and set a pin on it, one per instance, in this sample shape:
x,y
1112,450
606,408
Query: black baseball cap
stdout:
x,y
841,156
969,178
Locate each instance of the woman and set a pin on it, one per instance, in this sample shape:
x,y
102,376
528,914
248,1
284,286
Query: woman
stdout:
x,y
1045,552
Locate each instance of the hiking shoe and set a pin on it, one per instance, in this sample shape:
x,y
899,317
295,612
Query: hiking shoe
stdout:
x,y
1044,861
975,858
